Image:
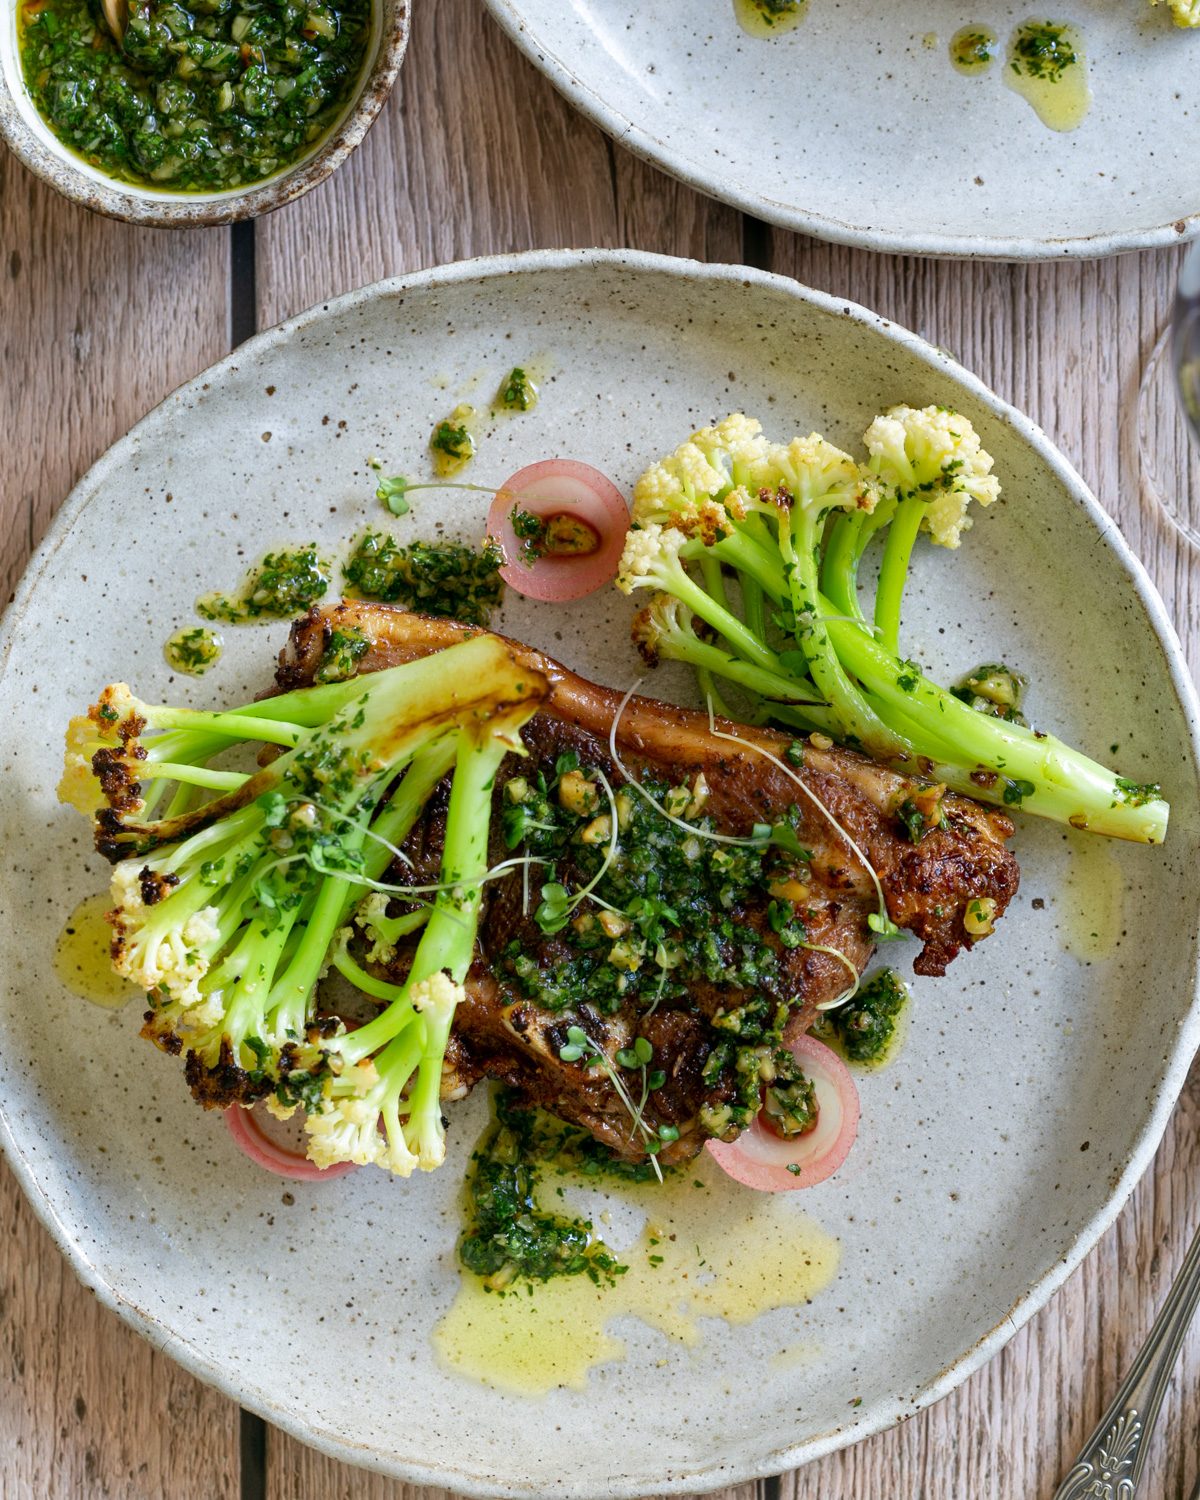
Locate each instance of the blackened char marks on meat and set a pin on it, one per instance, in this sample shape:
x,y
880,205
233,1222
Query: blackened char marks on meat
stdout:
x,y
927,885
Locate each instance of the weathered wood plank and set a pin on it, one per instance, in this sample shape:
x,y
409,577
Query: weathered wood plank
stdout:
x,y
476,154
295,1472
98,322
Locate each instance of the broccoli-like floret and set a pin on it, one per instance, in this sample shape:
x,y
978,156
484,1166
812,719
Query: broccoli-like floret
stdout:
x,y
229,913
1183,12
933,465
391,1068
790,524
126,755
382,931
667,628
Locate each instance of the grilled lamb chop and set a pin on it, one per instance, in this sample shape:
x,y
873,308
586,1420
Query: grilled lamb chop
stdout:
x,y
502,1031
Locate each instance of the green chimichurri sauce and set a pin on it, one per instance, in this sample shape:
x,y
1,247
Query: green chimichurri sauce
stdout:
x,y
671,916
1043,50
451,443
193,650
994,689
340,659
509,1238
283,585
559,535
768,17
973,48
437,578
866,1029
208,96
518,392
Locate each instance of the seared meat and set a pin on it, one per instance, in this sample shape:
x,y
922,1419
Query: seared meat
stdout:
x,y
500,1032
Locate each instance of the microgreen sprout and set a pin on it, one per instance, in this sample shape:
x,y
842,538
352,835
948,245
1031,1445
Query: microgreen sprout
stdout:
x,y
754,842
579,1047
394,494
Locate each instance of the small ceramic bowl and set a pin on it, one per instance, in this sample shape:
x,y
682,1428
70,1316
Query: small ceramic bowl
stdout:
x,y
32,140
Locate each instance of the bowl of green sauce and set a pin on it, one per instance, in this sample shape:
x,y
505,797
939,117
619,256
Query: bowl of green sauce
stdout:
x,y
187,112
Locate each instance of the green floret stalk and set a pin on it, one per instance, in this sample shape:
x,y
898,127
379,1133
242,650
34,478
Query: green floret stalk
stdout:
x,y
849,537
1036,771
857,719
264,887
160,744
292,994
893,570
667,572
660,631
392,1067
448,942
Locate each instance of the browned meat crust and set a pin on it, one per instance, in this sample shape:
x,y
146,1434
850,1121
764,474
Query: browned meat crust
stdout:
x,y
927,885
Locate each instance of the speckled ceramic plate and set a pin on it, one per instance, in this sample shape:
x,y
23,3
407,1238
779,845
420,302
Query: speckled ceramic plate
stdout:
x,y
856,128
1037,1076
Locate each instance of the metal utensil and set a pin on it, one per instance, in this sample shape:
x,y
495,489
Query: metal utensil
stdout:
x,y
1110,1462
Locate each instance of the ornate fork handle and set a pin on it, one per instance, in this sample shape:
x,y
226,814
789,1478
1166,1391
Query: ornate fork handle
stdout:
x,y
1110,1463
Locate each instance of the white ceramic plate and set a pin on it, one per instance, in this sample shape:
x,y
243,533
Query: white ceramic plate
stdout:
x,y
1038,1075
855,128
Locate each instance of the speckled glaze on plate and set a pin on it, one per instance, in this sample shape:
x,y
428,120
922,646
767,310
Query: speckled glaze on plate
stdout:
x,y
34,143
1038,1074
856,128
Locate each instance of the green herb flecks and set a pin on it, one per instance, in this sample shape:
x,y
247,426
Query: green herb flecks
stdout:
x,y
452,444
1137,793
995,689
518,392
437,578
284,584
1042,49
343,652
193,650
557,535
972,49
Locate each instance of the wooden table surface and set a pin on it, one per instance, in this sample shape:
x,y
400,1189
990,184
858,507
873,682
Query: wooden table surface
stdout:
x,y
476,154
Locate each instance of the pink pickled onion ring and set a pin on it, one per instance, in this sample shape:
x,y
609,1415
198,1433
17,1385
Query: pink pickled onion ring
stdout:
x,y
254,1142
761,1159
560,486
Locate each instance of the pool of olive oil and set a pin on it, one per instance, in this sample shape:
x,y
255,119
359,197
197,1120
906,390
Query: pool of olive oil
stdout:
x,y
1047,66
81,956
713,1250
769,17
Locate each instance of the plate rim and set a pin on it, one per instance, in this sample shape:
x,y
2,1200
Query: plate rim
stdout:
x,y
644,144
1184,1045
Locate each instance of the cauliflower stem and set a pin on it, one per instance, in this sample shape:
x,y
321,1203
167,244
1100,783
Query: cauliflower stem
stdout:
x,y
790,525
229,911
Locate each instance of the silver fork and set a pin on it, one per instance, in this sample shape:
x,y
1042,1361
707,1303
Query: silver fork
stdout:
x,y
1111,1461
